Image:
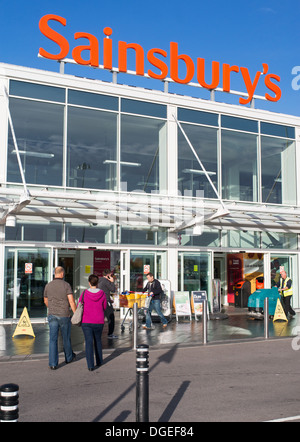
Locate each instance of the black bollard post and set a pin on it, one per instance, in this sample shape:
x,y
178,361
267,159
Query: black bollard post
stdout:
x,y
9,400
142,383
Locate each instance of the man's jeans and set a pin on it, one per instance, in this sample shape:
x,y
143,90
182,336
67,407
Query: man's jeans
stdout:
x,y
154,304
64,324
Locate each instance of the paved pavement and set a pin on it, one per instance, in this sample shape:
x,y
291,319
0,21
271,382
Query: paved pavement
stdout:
x,y
238,326
251,381
237,377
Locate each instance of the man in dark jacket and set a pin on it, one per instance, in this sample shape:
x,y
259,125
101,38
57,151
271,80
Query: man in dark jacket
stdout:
x,y
106,283
153,287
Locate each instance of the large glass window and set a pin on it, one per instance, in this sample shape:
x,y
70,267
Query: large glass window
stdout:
x,y
34,232
143,236
39,131
208,238
190,175
276,240
239,166
88,234
92,149
278,163
143,154
241,239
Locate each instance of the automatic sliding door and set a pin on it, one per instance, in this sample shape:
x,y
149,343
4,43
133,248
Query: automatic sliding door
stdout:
x,y
142,263
27,272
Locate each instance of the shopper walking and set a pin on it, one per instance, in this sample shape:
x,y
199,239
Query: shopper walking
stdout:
x,y
286,292
94,305
154,289
106,283
58,298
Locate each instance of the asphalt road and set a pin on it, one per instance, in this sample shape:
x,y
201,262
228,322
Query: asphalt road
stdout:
x,y
234,382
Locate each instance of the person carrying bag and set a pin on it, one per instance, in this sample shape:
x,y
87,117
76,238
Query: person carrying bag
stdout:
x,y
94,302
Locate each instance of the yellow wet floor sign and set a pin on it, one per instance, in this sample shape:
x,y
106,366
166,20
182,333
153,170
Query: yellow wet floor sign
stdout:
x,y
279,313
24,326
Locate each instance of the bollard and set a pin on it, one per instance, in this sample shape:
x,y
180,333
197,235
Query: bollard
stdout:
x,y
9,400
142,383
204,320
266,317
135,325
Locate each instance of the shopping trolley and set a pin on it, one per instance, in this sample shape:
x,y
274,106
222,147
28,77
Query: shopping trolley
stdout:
x,y
127,301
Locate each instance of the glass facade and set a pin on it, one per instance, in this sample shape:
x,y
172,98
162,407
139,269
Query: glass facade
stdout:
x,y
91,149
73,140
39,129
239,166
143,154
278,170
247,160
191,177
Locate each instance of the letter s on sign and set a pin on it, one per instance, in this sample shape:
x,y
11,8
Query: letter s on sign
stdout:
x,y
54,36
273,87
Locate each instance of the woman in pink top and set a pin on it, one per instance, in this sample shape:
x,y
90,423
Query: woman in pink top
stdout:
x,y
94,305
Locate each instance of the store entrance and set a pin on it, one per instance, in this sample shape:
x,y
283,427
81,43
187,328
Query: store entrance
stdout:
x,y
240,274
27,271
79,264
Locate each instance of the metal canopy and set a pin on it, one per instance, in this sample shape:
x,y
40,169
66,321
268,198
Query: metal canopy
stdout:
x,y
146,211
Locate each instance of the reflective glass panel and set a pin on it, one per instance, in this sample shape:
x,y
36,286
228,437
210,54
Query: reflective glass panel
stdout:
x,y
92,149
239,124
93,100
278,164
279,240
88,234
39,91
34,232
191,177
143,236
143,154
144,108
39,131
193,116
277,130
239,166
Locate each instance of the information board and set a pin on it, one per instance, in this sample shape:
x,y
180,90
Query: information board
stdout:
x,y
198,298
182,304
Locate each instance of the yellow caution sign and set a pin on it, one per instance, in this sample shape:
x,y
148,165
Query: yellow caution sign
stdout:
x,y
279,313
24,326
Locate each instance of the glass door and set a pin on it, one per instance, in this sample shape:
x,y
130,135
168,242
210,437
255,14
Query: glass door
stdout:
x,y
27,271
194,272
142,263
289,263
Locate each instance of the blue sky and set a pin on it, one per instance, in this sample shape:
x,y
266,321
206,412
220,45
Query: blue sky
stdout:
x,y
237,32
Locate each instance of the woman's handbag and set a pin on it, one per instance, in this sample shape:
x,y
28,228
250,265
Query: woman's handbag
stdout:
x,y
77,317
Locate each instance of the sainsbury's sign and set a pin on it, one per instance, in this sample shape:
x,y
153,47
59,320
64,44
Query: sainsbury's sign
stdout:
x,y
221,74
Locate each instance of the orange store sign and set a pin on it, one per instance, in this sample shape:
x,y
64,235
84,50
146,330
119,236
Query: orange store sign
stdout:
x,y
221,74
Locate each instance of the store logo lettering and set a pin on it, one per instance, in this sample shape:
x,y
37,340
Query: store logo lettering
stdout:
x,y
153,56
